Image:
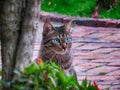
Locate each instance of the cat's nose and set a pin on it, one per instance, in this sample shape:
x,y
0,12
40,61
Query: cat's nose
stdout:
x,y
64,46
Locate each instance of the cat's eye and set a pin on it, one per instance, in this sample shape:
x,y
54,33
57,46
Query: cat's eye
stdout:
x,y
56,40
68,40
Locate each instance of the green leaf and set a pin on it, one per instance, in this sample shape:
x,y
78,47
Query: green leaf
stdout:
x,y
17,72
32,69
85,83
6,84
23,80
30,82
0,72
91,87
53,81
19,87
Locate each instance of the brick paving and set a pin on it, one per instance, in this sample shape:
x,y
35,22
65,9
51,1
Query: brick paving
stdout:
x,y
96,55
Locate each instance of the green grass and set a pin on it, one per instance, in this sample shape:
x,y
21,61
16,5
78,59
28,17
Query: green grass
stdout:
x,y
112,13
82,8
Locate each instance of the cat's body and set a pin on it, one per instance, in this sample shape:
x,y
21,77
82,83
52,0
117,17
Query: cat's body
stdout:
x,y
56,46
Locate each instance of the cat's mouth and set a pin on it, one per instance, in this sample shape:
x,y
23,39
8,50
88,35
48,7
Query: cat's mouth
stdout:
x,y
60,52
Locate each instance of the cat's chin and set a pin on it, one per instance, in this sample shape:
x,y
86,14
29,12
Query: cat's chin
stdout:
x,y
60,52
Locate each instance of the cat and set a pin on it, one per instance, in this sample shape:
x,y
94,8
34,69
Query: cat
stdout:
x,y
56,45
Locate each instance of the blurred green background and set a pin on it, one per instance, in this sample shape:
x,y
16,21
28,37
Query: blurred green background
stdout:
x,y
82,8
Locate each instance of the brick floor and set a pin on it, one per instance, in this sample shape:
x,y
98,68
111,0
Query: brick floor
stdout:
x,y
96,55
96,52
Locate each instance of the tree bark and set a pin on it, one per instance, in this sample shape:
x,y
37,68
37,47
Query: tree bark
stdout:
x,y
17,28
10,29
25,48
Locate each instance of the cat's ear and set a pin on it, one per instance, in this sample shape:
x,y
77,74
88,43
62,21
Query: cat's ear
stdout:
x,y
67,26
47,28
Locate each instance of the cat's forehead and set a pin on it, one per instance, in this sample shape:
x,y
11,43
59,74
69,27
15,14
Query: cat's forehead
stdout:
x,y
59,31
59,28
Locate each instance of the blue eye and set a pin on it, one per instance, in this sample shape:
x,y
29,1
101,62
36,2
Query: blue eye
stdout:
x,y
56,40
68,40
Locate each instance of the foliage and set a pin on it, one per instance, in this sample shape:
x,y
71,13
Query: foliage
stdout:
x,y
112,13
0,73
82,8
105,4
46,77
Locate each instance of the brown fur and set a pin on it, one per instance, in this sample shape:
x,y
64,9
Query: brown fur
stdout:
x,y
56,46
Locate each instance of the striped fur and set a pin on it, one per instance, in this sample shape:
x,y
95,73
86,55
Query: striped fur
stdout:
x,y
59,52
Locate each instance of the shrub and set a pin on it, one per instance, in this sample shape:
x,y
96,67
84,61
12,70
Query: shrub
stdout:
x,y
106,4
46,77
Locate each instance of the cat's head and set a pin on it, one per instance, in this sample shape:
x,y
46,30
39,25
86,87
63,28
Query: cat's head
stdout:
x,y
57,39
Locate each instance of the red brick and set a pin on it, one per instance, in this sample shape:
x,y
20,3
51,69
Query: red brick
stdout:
x,y
101,23
114,73
90,46
88,65
79,69
106,60
104,50
104,87
115,87
90,56
111,24
95,78
75,45
111,38
98,35
114,64
103,69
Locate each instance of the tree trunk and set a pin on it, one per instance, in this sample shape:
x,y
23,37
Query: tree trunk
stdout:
x,y
25,48
17,20
10,29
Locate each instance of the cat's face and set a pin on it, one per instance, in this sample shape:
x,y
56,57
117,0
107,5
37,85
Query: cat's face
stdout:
x,y
57,39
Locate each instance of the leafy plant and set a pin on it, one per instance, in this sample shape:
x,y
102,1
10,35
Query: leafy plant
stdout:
x,y
46,76
106,4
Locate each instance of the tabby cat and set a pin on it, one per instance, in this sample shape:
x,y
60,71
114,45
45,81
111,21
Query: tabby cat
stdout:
x,y
56,46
